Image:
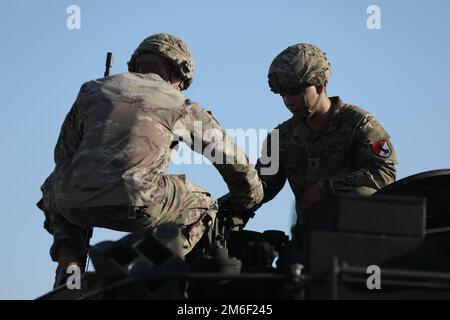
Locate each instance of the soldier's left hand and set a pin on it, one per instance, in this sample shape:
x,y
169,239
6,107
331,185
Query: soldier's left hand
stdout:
x,y
311,197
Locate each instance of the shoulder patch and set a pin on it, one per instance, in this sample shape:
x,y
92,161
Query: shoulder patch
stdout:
x,y
381,148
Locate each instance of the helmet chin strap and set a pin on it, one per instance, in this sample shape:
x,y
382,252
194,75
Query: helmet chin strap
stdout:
x,y
308,109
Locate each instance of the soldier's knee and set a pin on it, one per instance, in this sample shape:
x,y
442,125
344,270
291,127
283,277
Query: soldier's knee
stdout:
x,y
194,232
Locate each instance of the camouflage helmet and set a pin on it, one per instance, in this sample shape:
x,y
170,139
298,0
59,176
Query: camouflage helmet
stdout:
x,y
298,66
171,48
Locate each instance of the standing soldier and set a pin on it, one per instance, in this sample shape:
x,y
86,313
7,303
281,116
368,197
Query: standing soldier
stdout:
x,y
328,146
115,146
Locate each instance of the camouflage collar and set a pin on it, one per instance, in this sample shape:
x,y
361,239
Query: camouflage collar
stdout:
x,y
150,76
334,119
331,125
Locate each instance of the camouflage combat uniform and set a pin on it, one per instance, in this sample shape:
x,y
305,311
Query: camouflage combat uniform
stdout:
x,y
350,153
112,153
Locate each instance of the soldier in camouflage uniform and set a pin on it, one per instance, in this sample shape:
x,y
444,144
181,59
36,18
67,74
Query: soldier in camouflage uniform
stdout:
x,y
115,146
328,146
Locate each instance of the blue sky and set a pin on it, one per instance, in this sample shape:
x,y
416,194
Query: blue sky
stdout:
x,y
399,73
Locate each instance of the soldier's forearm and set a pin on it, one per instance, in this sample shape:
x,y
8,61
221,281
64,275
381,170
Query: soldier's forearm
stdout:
x,y
244,184
272,184
372,178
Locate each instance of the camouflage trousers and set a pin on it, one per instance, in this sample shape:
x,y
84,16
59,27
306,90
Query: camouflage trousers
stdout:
x,y
184,203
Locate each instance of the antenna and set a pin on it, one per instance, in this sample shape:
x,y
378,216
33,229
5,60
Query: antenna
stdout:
x,y
108,65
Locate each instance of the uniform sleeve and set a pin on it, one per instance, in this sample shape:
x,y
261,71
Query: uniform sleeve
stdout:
x,y
373,160
270,171
70,136
203,134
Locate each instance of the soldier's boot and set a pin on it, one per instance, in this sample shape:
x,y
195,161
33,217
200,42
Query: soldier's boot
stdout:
x,y
199,251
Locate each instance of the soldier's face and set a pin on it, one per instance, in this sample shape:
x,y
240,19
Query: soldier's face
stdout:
x,y
296,102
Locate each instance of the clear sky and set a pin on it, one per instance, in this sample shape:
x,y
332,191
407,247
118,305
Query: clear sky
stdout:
x,y
399,73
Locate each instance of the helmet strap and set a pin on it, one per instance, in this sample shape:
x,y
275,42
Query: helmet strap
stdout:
x,y
308,109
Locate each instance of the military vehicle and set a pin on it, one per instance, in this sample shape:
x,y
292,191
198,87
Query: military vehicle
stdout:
x,y
394,244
